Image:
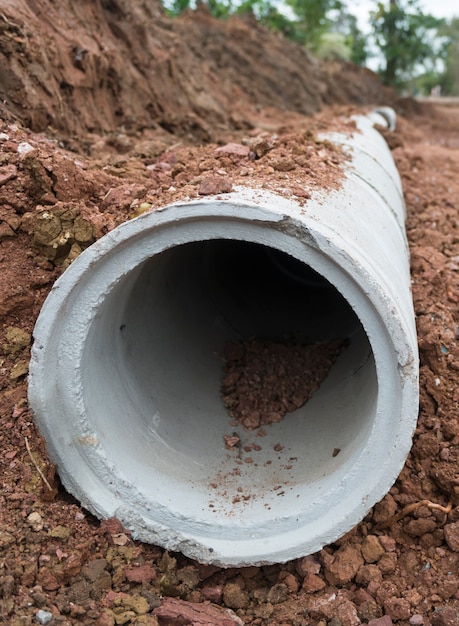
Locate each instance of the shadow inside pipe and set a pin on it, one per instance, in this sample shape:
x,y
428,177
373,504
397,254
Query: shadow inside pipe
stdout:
x,y
153,377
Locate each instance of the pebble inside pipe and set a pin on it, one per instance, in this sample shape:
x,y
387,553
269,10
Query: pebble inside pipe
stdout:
x,y
126,365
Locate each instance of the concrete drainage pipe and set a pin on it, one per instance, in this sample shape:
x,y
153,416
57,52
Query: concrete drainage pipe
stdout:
x,y
125,372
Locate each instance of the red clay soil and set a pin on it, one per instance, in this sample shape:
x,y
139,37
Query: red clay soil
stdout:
x,y
101,65
103,118
263,380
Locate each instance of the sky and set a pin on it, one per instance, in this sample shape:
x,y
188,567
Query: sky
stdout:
x,y
438,8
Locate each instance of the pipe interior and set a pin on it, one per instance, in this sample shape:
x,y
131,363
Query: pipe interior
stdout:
x,y
153,367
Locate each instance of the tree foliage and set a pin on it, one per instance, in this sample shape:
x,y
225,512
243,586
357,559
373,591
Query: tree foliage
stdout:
x,y
406,38
449,81
312,19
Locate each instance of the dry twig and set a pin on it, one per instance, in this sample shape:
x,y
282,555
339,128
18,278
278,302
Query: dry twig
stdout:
x,y
413,507
42,476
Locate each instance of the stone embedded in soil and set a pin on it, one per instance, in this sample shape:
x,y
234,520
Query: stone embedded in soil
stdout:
x,y
212,185
385,620
140,574
452,536
16,339
313,583
397,608
419,527
235,597
372,550
35,521
347,562
176,612
43,617
445,616
235,150
308,565
263,380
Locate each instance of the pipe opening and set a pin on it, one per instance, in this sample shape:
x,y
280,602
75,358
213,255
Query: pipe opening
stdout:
x,y
152,367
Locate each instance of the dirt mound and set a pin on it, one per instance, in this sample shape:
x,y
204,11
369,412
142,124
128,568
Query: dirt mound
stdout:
x,y
96,66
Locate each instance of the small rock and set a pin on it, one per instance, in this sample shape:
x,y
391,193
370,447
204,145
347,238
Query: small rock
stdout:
x,y
47,580
416,620
234,149
107,618
94,569
367,574
388,543
385,509
284,164
35,521
387,563
346,613
7,173
348,559
121,602
212,185
6,232
300,192
290,581
25,148
307,565
313,583
262,146
445,616
60,532
6,539
385,620
278,593
189,576
43,617
369,610
372,550
212,593
140,574
234,597
397,608
123,617
120,539
419,527
176,612
16,340
452,536
19,369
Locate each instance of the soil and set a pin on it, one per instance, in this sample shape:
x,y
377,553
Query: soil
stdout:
x,y
110,109
263,380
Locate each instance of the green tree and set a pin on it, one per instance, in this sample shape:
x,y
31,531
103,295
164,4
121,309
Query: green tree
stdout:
x,y
450,78
312,19
217,8
333,46
268,15
355,40
406,38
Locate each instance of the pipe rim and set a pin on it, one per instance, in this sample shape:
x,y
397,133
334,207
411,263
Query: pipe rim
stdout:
x,y
247,549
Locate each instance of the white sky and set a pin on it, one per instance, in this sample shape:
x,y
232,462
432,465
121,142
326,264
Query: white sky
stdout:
x,y
438,8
